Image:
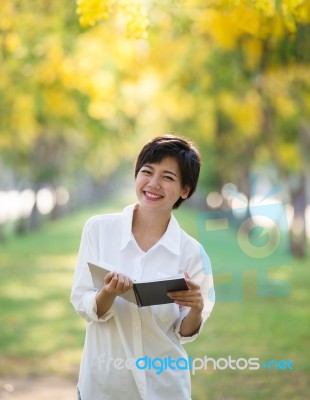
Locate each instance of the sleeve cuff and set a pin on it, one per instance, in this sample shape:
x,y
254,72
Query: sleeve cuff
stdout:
x,y
91,309
186,339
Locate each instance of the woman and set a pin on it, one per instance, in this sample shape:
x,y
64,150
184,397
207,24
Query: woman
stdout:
x,y
130,352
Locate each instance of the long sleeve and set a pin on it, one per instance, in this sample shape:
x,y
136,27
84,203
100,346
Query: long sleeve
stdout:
x,y
83,294
200,271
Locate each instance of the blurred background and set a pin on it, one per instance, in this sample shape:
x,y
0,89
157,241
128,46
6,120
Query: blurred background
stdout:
x,y
82,87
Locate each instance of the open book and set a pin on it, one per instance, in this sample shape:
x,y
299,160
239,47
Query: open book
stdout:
x,y
143,293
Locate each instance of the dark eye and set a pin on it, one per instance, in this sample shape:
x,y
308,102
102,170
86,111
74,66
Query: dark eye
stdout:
x,y
168,177
145,171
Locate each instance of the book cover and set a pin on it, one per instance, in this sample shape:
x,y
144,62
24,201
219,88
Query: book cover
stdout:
x,y
145,293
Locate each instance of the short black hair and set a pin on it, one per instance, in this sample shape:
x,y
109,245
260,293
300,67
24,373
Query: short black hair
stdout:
x,y
182,150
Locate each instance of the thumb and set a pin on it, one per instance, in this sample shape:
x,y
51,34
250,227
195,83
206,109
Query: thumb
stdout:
x,y
188,279
187,275
191,284
109,277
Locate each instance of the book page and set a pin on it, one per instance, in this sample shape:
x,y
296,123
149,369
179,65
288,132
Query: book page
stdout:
x,y
163,278
99,273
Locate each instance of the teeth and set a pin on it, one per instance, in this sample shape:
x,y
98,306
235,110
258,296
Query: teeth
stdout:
x,y
153,196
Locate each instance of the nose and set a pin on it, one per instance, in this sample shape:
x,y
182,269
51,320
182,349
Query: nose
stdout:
x,y
154,182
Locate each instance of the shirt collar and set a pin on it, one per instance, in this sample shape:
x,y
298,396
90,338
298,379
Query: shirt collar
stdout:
x,y
127,224
171,239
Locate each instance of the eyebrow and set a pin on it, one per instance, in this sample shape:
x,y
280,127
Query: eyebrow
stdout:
x,y
165,172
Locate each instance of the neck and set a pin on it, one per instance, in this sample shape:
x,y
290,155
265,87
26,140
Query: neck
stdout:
x,y
148,226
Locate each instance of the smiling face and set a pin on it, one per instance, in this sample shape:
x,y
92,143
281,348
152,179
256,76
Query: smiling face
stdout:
x,y
158,185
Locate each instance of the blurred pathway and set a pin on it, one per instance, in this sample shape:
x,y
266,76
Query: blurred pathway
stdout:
x,y
45,388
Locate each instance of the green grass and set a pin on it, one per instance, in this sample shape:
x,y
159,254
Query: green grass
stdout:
x,y
41,333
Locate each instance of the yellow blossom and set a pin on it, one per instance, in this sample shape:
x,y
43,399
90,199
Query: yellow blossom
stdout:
x,y
244,112
23,119
6,15
252,49
101,109
136,19
12,42
92,11
221,27
289,155
285,105
59,104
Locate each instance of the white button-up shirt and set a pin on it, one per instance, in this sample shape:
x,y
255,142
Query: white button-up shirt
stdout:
x,y
126,332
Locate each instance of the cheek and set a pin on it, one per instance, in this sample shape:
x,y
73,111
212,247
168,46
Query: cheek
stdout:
x,y
176,187
174,190
140,182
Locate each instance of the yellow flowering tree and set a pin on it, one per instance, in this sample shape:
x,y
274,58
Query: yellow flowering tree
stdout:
x,y
34,107
129,15
84,79
258,55
48,126
220,56
239,80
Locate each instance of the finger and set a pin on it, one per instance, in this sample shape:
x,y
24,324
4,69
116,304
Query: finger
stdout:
x,y
190,303
108,277
186,304
114,280
120,283
182,293
127,283
192,285
187,275
187,298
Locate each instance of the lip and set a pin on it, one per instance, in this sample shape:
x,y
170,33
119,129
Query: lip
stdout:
x,y
151,196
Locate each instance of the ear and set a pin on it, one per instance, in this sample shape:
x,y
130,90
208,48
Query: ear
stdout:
x,y
185,192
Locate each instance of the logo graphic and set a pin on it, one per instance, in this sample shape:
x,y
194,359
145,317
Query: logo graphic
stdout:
x,y
159,365
274,365
250,237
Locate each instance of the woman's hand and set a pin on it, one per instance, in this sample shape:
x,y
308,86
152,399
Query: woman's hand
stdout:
x,y
190,298
114,285
117,283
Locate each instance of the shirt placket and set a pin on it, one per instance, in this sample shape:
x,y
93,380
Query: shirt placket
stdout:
x,y
137,334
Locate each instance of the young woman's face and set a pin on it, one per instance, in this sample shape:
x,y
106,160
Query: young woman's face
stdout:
x,y
158,185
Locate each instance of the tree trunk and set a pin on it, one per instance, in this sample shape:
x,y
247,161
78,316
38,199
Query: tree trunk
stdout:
x,y
298,228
